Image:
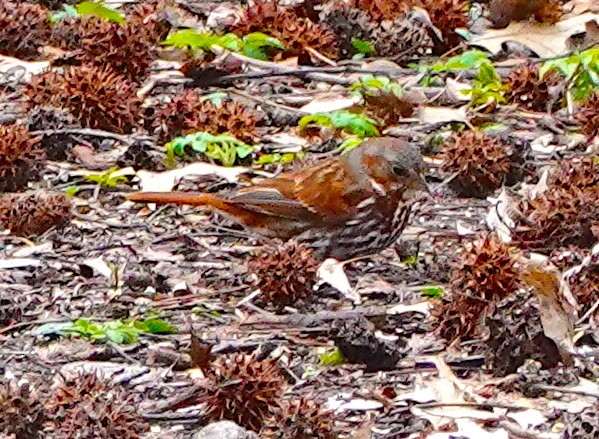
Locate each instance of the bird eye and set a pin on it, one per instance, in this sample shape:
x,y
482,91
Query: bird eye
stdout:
x,y
400,170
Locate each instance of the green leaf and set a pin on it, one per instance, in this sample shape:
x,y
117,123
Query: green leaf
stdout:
x,y
284,158
353,123
411,260
57,328
223,148
432,292
71,191
332,357
121,333
191,39
363,47
67,11
467,60
259,45
349,144
99,10
156,325
107,179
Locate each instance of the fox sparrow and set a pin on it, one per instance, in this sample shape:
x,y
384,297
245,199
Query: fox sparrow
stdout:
x,y
354,204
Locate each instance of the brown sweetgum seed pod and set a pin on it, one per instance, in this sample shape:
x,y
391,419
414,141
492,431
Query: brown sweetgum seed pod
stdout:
x,y
188,113
529,90
301,419
487,274
383,9
447,16
285,274
32,214
23,414
127,48
254,397
482,163
89,406
283,23
97,96
21,158
24,29
587,116
565,213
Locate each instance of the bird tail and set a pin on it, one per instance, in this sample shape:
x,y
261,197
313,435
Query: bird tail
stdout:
x,y
193,199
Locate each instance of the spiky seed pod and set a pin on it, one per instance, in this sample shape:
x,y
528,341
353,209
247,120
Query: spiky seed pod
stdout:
x,y
565,213
34,213
301,419
550,12
283,23
22,409
487,274
383,9
587,116
96,96
401,39
529,90
285,274
128,48
349,24
447,16
24,29
21,158
482,163
188,113
151,18
242,389
87,406
571,175
56,145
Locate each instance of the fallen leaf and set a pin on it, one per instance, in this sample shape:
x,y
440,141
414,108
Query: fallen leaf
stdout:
x,y
434,115
546,41
331,272
327,103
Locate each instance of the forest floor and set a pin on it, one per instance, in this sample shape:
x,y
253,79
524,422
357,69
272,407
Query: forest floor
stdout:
x,y
120,320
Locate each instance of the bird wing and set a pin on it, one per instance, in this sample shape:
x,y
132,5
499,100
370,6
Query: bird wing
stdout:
x,y
274,197
331,192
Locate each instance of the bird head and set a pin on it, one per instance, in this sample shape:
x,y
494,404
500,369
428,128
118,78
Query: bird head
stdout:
x,y
394,164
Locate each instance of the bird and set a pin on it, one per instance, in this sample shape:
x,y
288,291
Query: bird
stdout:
x,y
346,206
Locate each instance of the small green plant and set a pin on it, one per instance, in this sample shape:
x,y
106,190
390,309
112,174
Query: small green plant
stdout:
x,y
117,331
107,179
469,59
371,85
432,292
71,191
581,70
224,148
487,87
332,357
255,45
279,158
362,48
349,144
352,123
93,9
